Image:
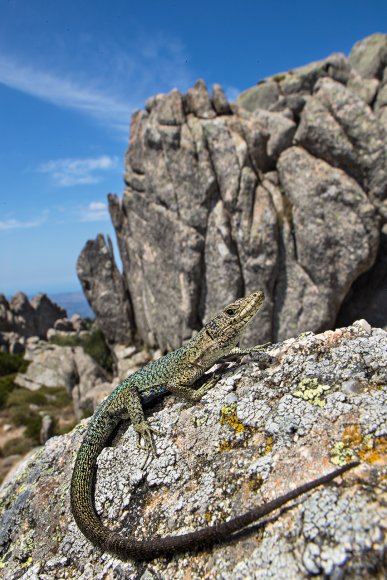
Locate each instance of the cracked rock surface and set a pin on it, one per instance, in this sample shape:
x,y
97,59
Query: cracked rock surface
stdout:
x,y
265,428
284,190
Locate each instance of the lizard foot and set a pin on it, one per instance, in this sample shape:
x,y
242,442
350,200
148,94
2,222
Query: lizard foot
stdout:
x,y
145,431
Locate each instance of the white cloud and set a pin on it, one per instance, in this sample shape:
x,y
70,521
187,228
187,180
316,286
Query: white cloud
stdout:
x,y
107,88
66,92
232,93
68,172
96,211
13,224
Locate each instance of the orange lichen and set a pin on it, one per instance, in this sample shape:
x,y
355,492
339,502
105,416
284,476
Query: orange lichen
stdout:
x,y
354,443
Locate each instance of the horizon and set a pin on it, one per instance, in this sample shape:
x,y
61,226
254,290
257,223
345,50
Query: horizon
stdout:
x,y
71,76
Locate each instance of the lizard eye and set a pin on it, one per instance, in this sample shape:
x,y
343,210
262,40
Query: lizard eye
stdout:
x,y
230,311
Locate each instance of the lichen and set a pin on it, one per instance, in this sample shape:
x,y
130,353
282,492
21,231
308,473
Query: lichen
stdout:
x,y
228,416
310,390
225,446
356,445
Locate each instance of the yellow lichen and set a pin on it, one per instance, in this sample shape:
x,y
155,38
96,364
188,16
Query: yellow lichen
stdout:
x,y
268,443
228,416
310,390
225,446
341,455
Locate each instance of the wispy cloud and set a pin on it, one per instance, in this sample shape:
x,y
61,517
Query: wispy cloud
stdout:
x,y
66,92
68,172
13,224
231,93
96,211
107,89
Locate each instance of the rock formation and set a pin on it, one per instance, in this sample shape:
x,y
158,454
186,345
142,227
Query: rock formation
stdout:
x,y
105,290
284,190
61,366
257,434
21,319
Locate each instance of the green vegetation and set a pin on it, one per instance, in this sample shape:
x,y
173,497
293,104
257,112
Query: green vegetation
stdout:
x,y
25,408
16,446
12,363
94,344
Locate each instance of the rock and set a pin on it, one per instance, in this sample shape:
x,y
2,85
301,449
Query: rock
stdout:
x,y
365,88
338,127
281,427
23,315
105,290
219,101
27,318
64,325
263,96
198,101
46,313
302,80
369,56
329,207
47,429
12,342
218,201
281,131
61,366
129,360
89,400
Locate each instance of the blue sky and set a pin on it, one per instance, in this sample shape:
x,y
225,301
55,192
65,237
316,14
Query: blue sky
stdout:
x,y
71,74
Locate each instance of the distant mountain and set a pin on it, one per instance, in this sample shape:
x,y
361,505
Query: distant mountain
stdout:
x,y
74,303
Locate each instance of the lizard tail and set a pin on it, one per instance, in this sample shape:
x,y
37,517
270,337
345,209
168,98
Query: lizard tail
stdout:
x,y
127,548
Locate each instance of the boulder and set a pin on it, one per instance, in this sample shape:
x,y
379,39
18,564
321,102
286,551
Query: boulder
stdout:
x,y
369,56
61,366
256,435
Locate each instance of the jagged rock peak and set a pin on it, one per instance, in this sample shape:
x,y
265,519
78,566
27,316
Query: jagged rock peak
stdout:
x,y
284,190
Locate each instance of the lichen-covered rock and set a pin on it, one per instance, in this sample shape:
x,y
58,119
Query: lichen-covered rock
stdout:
x,y
257,434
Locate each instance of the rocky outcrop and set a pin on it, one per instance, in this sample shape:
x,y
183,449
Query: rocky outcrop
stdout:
x,y
284,190
105,290
61,366
28,318
256,435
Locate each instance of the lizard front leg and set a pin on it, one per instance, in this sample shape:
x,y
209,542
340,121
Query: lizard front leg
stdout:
x,y
135,411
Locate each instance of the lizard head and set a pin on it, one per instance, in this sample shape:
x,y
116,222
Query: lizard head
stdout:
x,y
227,327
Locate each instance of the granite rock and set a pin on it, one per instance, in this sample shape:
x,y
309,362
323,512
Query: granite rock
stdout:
x,y
257,434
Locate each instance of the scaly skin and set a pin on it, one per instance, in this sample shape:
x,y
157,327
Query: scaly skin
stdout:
x,y
176,372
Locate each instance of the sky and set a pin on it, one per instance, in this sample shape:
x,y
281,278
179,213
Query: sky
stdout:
x,y
71,75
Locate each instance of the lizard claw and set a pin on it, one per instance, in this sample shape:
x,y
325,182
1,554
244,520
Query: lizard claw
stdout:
x,y
145,431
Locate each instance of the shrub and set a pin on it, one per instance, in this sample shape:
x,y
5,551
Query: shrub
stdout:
x,y
6,387
16,446
12,363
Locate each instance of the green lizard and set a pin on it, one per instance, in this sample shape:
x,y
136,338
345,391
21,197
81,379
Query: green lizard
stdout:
x,y
176,372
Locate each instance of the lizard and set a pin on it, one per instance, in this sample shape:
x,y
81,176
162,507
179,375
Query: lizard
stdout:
x,y
178,372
